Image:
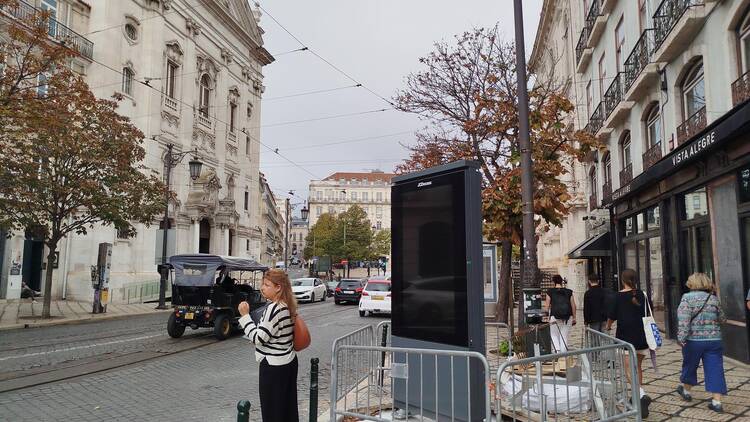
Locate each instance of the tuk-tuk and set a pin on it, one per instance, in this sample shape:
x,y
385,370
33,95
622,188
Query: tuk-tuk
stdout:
x,y
206,290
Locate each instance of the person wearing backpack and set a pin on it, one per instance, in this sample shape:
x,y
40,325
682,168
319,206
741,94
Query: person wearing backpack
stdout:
x,y
699,318
562,310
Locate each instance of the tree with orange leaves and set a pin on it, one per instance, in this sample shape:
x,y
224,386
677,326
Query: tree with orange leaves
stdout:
x,y
467,93
70,162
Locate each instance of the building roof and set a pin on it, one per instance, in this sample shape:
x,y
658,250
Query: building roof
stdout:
x,y
370,177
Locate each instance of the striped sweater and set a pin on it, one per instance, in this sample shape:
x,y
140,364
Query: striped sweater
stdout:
x,y
706,326
273,336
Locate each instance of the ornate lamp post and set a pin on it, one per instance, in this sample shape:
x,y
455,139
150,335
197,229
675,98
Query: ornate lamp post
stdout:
x,y
170,161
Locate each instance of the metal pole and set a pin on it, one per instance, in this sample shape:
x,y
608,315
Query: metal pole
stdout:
x,y
243,411
162,276
286,236
530,264
313,414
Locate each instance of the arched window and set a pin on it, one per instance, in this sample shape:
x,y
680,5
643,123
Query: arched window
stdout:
x,y
693,90
593,181
127,81
653,126
743,37
205,94
625,150
607,163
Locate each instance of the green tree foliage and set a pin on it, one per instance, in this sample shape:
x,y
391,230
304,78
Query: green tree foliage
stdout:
x,y
344,236
381,243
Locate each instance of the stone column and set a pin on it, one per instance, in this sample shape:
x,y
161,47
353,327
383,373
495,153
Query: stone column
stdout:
x,y
226,240
196,235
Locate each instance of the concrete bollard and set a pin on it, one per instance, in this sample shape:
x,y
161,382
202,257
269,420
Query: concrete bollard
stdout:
x,y
313,389
243,411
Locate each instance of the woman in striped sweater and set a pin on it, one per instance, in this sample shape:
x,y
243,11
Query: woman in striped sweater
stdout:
x,y
273,337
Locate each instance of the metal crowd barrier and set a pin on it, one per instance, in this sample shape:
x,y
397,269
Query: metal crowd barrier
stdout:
x,y
373,398
588,384
350,376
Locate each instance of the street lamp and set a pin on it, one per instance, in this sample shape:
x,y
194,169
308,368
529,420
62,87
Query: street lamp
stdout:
x,y
305,212
170,161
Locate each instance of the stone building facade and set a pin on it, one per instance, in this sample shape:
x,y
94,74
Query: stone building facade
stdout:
x,y
191,76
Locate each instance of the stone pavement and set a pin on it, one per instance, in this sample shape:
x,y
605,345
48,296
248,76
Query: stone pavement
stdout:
x,y
23,313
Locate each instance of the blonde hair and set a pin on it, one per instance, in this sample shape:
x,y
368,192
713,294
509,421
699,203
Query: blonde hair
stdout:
x,y
281,279
700,281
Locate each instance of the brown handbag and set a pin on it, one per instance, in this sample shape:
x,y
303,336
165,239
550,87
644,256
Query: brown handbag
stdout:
x,y
301,334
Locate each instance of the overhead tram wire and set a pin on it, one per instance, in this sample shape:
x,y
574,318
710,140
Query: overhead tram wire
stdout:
x,y
323,59
320,91
316,119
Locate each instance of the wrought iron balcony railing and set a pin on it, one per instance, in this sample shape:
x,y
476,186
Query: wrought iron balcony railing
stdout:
x,y
639,57
691,126
607,192
652,155
741,89
58,31
595,10
626,175
614,95
667,15
596,120
582,41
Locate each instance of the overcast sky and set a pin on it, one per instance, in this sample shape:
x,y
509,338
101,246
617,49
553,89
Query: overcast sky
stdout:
x,y
377,42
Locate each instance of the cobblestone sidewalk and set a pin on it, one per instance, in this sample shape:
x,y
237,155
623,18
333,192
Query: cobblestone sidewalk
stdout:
x,y
23,313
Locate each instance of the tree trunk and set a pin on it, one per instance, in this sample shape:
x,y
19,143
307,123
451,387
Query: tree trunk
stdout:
x,y
48,280
505,293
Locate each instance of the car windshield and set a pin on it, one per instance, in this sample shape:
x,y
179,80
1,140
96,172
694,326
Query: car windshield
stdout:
x,y
303,282
350,284
378,287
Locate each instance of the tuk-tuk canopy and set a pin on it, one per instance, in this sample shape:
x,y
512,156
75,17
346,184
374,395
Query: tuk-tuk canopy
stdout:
x,y
200,269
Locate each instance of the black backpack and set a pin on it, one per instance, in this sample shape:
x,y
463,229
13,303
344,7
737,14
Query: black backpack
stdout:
x,y
560,303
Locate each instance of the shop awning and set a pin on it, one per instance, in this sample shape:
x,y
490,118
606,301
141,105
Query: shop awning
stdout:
x,y
593,247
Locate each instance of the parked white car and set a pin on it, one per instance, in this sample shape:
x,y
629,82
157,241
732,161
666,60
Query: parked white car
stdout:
x,y
376,297
309,290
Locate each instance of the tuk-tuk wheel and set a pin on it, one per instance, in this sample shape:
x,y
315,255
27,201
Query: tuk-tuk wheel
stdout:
x,y
174,329
222,327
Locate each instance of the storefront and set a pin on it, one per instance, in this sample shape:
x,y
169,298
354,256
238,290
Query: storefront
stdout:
x,y
690,212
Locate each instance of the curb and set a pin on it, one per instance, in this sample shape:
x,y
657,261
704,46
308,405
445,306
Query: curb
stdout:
x,y
76,321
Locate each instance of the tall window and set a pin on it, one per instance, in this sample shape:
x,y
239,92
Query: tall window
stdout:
x,y
620,44
589,100
365,196
319,210
602,75
319,195
354,196
380,196
743,35
247,145
51,7
593,181
653,126
205,93
127,81
171,86
41,85
625,150
247,200
342,195
607,168
232,116
642,15
694,90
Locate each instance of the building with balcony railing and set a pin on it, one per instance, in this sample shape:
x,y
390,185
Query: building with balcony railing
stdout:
x,y
190,77
665,90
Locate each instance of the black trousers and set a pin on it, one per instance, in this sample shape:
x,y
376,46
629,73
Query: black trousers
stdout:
x,y
278,392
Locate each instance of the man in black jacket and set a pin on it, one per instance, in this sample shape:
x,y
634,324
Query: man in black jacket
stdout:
x,y
594,304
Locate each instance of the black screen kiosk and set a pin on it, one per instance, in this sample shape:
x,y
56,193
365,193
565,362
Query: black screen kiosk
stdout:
x,y
438,289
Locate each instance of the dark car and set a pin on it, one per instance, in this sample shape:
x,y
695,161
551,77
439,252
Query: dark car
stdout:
x,y
206,294
348,290
331,287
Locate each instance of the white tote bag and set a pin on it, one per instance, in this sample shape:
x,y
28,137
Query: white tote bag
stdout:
x,y
653,335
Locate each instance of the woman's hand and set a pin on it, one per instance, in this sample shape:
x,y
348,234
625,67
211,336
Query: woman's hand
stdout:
x,y
244,308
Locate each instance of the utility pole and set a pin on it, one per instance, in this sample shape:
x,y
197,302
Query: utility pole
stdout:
x,y
530,265
286,234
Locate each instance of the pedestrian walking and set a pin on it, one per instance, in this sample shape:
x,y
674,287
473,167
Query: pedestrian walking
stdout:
x,y
628,310
273,336
699,319
562,310
595,305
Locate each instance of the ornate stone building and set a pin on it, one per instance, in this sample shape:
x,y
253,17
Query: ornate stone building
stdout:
x,y
191,76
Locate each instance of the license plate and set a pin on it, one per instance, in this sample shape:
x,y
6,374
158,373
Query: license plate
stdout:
x,y
377,298
189,315
348,291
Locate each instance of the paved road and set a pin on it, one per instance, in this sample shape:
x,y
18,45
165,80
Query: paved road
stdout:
x,y
131,370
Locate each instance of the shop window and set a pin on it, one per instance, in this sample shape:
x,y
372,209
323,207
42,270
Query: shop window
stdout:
x,y
694,90
629,227
652,218
640,223
695,204
743,180
696,233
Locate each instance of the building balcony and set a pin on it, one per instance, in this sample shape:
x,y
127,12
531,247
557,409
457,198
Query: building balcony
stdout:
x,y
204,121
170,103
596,120
596,21
57,31
626,175
615,109
652,155
607,192
593,202
232,136
676,23
741,89
640,71
583,52
691,126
